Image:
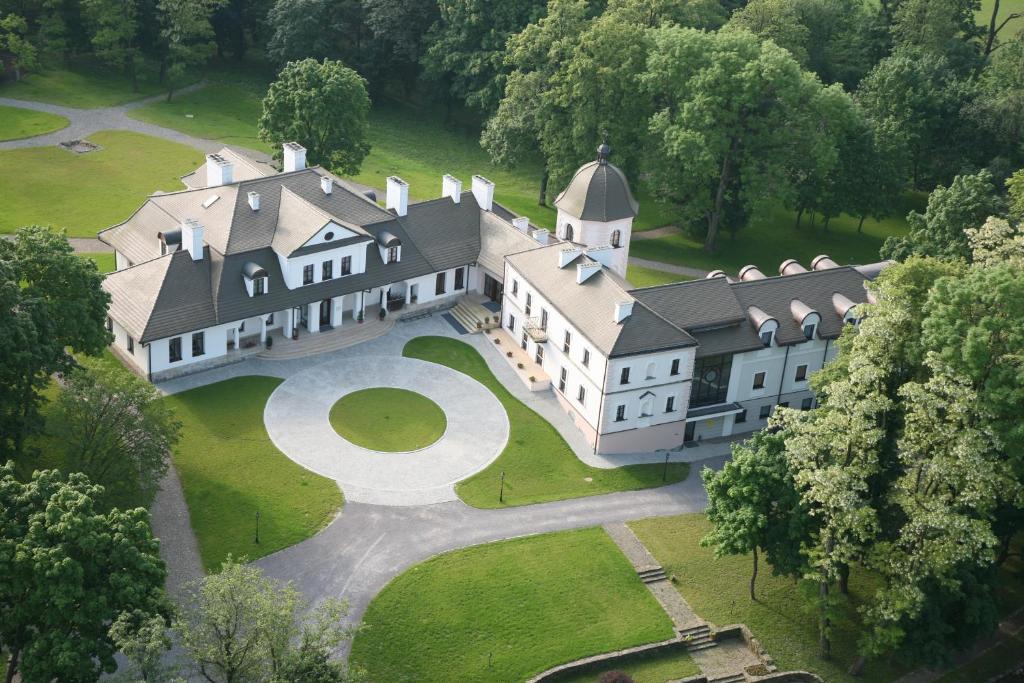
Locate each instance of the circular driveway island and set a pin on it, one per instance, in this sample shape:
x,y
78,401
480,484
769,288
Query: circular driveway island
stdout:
x,y
297,418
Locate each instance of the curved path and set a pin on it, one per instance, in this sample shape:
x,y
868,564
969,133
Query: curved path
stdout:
x,y
83,122
297,418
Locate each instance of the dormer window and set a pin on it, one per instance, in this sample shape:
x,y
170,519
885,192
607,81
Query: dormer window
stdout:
x,y
568,233
390,247
255,278
392,254
767,336
809,330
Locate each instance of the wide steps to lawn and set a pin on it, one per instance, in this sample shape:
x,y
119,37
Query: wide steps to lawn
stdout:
x,y
732,678
473,316
309,344
652,575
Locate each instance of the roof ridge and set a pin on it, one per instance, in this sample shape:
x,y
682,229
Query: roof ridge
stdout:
x,y
807,273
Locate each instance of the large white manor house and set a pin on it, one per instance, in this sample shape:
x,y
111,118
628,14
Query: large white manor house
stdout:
x,y
205,276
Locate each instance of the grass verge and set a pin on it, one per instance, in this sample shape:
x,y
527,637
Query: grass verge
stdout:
x,y
639,276
505,611
537,463
657,668
387,419
230,470
85,85
85,193
104,260
771,238
17,123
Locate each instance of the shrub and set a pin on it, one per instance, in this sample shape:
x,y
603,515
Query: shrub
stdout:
x,y
497,340
509,354
532,379
615,677
519,365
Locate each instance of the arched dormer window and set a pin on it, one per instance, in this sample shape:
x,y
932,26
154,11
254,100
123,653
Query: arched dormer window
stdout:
x,y
569,233
616,238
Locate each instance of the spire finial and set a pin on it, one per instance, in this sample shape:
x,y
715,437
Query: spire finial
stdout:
x,y
604,150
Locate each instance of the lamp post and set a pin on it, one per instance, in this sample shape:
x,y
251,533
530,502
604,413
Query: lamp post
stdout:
x,y
257,527
501,491
664,472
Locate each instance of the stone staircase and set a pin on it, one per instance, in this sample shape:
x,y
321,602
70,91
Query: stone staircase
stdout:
x,y
308,344
469,313
697,638
652,575
731,678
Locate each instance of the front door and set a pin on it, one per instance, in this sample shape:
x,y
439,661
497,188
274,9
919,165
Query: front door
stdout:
x,y
325,313
492,288
303,312
414,293
691,427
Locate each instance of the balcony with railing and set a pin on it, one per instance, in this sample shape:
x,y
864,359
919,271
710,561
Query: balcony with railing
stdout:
x,y
534,329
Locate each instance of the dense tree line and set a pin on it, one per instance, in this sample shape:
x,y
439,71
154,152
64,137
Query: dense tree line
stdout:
x,y
910,469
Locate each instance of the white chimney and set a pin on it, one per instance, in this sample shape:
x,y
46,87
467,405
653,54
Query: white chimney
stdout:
x,y
326,184
451,187
586,270
568,255
623,310
602,255
219,171
192,238
522,224
483,192
398,195
541,235
254,201
294,157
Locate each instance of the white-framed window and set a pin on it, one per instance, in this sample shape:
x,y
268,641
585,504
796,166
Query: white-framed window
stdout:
x,y
346,265
759,380
616,240
392,254
675,367
801,373
198,343
765,412
741,417
809,329
327,270
581,395
174,350
766,338
806,403
529,303
307,274
670,404
562,376
511,323
624,376
586,358
620,413
567,342
515,287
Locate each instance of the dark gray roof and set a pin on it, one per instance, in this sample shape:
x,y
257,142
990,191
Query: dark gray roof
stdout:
x,y
598,192
693,304
590,306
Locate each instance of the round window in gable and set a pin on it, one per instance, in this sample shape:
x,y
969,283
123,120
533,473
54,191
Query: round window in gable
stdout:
x,y
328,236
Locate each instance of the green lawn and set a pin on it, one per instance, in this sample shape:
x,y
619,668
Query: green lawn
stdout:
x,y
538,464
386,419
18,123
771,238
1006,8
505,611
657,668
230,470
783,618
85,193
639,276
223,112
103,260
87,86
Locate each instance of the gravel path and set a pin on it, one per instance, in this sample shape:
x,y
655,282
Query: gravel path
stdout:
x,y
666,231
87,121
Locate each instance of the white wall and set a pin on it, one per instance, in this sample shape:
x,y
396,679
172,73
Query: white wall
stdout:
x,y
291,268
215,346
599,234
661,384
138,357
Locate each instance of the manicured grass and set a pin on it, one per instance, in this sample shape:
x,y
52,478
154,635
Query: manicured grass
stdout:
x,y
221,111
506,611
18,123
771,238
1006,8
87,85
230,470
85,193
104,260
783,618
386,419
537,462
657,668
639,276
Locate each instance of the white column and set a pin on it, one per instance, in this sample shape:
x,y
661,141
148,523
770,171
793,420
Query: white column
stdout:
x,y
337,310
289,322
234,333
313,316
263,329
408,293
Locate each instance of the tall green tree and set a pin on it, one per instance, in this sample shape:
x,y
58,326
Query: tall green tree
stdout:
x,y
15,42
66,572
144,639
189,35
117,431
918,96
466,47
941,230
114,30
728,106
945,28
754,504
53,304
238,625
325,107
